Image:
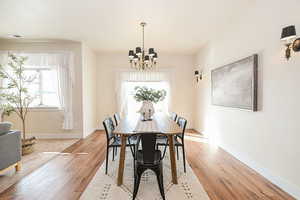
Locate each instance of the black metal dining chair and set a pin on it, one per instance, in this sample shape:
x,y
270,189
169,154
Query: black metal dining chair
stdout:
x,y
173,116
164,137
178,141
148,158
113,141
117,118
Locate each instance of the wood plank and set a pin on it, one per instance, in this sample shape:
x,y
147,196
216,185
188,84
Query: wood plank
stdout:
x,y
66,176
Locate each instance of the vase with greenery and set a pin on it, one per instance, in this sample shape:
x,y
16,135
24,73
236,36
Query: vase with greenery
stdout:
x,y
148,96
14,96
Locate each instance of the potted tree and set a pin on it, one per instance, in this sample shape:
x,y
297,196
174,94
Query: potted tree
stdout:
x,y
148,97
15,96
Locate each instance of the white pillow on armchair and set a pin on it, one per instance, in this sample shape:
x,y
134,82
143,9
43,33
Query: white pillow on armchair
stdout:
x,y
5,127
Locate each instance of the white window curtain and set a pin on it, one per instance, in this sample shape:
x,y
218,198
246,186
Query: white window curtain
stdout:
x,y
124,77
64,62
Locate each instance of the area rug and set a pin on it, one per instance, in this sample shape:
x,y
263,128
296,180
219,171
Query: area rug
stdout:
x,y
104,187
45,150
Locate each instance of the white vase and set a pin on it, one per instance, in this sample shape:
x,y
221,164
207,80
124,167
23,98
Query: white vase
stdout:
x,y
147,110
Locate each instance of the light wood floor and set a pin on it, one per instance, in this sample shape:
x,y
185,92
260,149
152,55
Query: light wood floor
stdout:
x,y
66,176
44,150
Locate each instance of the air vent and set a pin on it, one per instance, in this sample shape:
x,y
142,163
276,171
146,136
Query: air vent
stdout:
x,y
15,36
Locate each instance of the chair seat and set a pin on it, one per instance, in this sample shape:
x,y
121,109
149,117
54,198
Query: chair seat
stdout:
x,y
133,139
158,137
117,141
157,158
177,142
163,142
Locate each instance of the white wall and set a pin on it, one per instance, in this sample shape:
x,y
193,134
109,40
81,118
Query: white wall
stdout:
x,y
267,140
48,123
181,67
89,99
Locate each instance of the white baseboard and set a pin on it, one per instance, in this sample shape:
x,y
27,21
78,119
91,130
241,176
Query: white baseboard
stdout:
x,y
90,132
55,135
280,182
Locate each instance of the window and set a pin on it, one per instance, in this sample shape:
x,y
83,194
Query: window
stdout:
x,y
132,106
44,87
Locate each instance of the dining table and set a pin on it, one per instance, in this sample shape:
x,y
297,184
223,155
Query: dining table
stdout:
x,y
133,124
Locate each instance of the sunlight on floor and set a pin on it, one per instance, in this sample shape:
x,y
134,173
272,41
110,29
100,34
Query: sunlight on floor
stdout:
x,y
60,153
213,146
196,138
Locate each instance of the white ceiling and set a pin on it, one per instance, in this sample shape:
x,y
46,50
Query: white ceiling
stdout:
x,y
180,26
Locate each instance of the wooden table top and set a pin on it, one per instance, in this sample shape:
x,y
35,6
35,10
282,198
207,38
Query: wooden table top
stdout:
x,y
161,123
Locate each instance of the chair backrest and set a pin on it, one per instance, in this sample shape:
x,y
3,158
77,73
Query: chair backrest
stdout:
x,y
173,116
109,127
117,118
182,124
148,147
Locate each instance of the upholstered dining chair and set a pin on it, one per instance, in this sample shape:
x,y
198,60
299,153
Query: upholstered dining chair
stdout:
x,y
148,158
178,141
112,141
117,118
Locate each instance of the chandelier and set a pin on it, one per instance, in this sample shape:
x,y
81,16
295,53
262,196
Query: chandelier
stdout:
x,y
139,59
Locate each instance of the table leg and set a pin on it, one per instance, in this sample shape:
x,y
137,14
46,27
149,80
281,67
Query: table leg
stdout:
x,y
172,159
121,160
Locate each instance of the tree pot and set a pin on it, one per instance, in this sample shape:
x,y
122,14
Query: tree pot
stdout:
x,y
28,145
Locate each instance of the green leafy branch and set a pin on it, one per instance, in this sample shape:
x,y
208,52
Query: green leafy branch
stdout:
x,y
146,94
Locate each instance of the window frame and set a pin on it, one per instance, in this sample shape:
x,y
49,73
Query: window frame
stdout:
x,y
41,106
144,83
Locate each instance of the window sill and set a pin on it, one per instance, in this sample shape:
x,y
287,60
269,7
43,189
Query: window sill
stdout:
x,y
44,109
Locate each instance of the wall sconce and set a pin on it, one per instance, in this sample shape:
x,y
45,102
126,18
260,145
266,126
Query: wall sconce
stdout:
x,y
288,35
198,75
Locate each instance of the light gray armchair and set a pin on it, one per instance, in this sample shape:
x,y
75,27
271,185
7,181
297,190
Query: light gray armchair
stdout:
x,y
10,147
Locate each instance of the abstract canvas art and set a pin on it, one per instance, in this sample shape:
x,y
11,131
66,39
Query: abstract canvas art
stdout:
x,y
235,85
